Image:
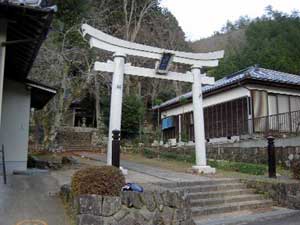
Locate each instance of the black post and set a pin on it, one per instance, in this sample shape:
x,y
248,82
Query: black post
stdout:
x,y
3,164
271,157
116,148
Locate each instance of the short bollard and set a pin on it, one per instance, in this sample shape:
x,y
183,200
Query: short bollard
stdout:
x,y
271,157
116,148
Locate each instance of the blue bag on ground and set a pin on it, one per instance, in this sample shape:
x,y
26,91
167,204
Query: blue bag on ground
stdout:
x,y
133,187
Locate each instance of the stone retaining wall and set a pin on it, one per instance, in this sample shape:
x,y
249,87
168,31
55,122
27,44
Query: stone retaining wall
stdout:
x,y
152,207
284,155
285,193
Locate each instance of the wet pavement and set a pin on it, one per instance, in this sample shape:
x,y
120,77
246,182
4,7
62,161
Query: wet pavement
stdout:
x,y
31,197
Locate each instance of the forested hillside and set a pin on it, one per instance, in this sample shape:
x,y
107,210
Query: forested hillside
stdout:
x,y
272,41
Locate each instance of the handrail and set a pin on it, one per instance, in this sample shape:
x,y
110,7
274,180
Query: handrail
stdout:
x,y
3,165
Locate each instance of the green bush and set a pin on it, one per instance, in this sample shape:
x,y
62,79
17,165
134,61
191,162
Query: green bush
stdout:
x,y
100,180
179,157
248,168
295,167
148,153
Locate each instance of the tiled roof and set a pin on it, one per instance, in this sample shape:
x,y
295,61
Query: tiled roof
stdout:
x,y
253,72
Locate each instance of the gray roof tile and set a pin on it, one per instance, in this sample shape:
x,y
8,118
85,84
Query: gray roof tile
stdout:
x,y
252,72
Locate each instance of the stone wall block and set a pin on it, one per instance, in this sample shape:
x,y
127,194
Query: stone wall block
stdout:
x,y
109,221
98,206
167,215
157,218
125,198
148,200
132,199
129,219
86,204
111,205
89,220
172,199
136,200
158,200
121,214
141,218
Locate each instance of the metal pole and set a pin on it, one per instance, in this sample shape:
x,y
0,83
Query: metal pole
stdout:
x,y
116,148
3,29
116,101
3,164
271,157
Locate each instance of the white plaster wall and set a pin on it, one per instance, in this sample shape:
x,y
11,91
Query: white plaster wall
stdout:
x,y
14,129
275,90
226,96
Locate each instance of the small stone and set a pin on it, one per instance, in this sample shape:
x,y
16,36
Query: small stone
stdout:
x,y
158,200
111,205
65,191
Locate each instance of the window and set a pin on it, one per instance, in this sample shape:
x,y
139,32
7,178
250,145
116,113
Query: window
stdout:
x,y
295,103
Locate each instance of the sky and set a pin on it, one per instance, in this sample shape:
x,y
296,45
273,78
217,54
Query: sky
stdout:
x,y
200,18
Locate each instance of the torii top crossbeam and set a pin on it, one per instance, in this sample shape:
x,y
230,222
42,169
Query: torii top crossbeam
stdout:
x,y
107,42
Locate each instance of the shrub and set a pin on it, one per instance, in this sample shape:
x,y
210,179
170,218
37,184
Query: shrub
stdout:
x,y
150,154
295,167
101,180
249,168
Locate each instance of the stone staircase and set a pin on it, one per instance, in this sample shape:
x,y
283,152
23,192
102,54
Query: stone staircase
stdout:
x,y
219,200
75,139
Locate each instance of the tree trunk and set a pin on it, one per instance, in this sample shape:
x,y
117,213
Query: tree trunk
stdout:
x,y
97,103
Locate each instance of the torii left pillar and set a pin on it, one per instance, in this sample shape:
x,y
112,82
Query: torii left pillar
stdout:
x,y
116,101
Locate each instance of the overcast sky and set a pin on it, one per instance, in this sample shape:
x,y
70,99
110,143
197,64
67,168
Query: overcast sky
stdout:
x,y
200,18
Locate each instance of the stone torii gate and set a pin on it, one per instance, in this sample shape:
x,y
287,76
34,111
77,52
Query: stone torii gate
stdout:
x,y
119,67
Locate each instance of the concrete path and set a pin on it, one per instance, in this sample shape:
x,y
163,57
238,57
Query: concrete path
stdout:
x,y
31,197
153,173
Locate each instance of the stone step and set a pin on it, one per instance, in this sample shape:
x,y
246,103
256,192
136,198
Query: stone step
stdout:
x,y
197,183
213,187
220,194
225,200
231,207
245,217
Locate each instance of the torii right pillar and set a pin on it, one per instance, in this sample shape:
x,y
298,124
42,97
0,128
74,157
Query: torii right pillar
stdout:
x,y
199,132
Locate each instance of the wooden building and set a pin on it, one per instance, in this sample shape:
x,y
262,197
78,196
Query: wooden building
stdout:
x,y
254,101
23,29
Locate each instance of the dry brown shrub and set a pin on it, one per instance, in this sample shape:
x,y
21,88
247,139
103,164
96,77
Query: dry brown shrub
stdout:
x,y
100,180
